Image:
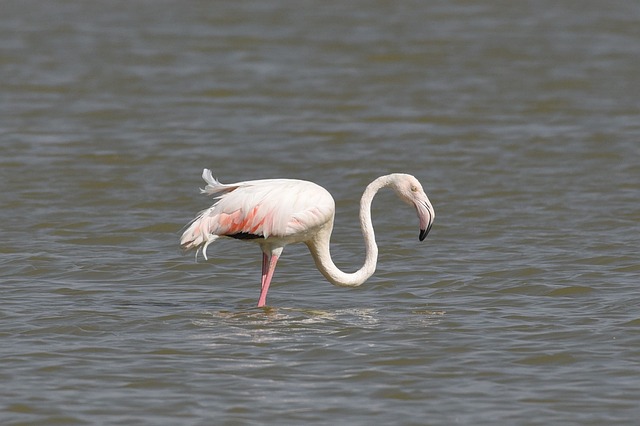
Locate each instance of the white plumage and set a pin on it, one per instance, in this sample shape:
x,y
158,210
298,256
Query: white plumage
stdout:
x,y
278,208
277,212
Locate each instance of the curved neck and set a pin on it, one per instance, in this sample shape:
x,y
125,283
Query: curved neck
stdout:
x,y
319,244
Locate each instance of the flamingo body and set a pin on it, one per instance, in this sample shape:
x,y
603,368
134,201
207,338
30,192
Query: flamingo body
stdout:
x,y
270,209
277,212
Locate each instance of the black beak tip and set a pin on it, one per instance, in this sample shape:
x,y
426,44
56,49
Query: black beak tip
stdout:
x,y
424,232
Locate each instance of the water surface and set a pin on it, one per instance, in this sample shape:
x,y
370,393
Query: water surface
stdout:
x,y
521,307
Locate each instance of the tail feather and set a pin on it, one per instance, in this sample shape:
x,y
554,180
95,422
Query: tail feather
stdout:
x,y
213,185
197,235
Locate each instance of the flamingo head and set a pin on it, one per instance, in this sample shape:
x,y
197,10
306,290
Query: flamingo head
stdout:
x,y
410,191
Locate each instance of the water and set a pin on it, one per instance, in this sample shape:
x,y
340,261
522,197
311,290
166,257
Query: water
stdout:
x,y
521,307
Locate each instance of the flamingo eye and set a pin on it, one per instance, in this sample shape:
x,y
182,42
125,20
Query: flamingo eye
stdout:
x,y
414,188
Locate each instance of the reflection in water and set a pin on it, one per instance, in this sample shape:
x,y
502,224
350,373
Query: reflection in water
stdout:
x,y
293,324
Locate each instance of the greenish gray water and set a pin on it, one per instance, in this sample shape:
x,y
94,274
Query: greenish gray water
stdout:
x,y
521,120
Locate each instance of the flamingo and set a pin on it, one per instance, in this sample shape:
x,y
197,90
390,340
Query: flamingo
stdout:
x,y
277,212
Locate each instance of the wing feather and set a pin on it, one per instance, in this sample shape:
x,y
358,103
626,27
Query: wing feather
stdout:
x,y
271,208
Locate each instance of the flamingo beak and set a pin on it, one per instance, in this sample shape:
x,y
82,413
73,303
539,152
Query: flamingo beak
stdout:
x,y
426,215
424,232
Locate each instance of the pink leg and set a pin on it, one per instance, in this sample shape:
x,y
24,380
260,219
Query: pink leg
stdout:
x,y
266,277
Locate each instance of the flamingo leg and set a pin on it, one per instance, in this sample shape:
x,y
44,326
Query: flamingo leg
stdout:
x,y
265,268
266,277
